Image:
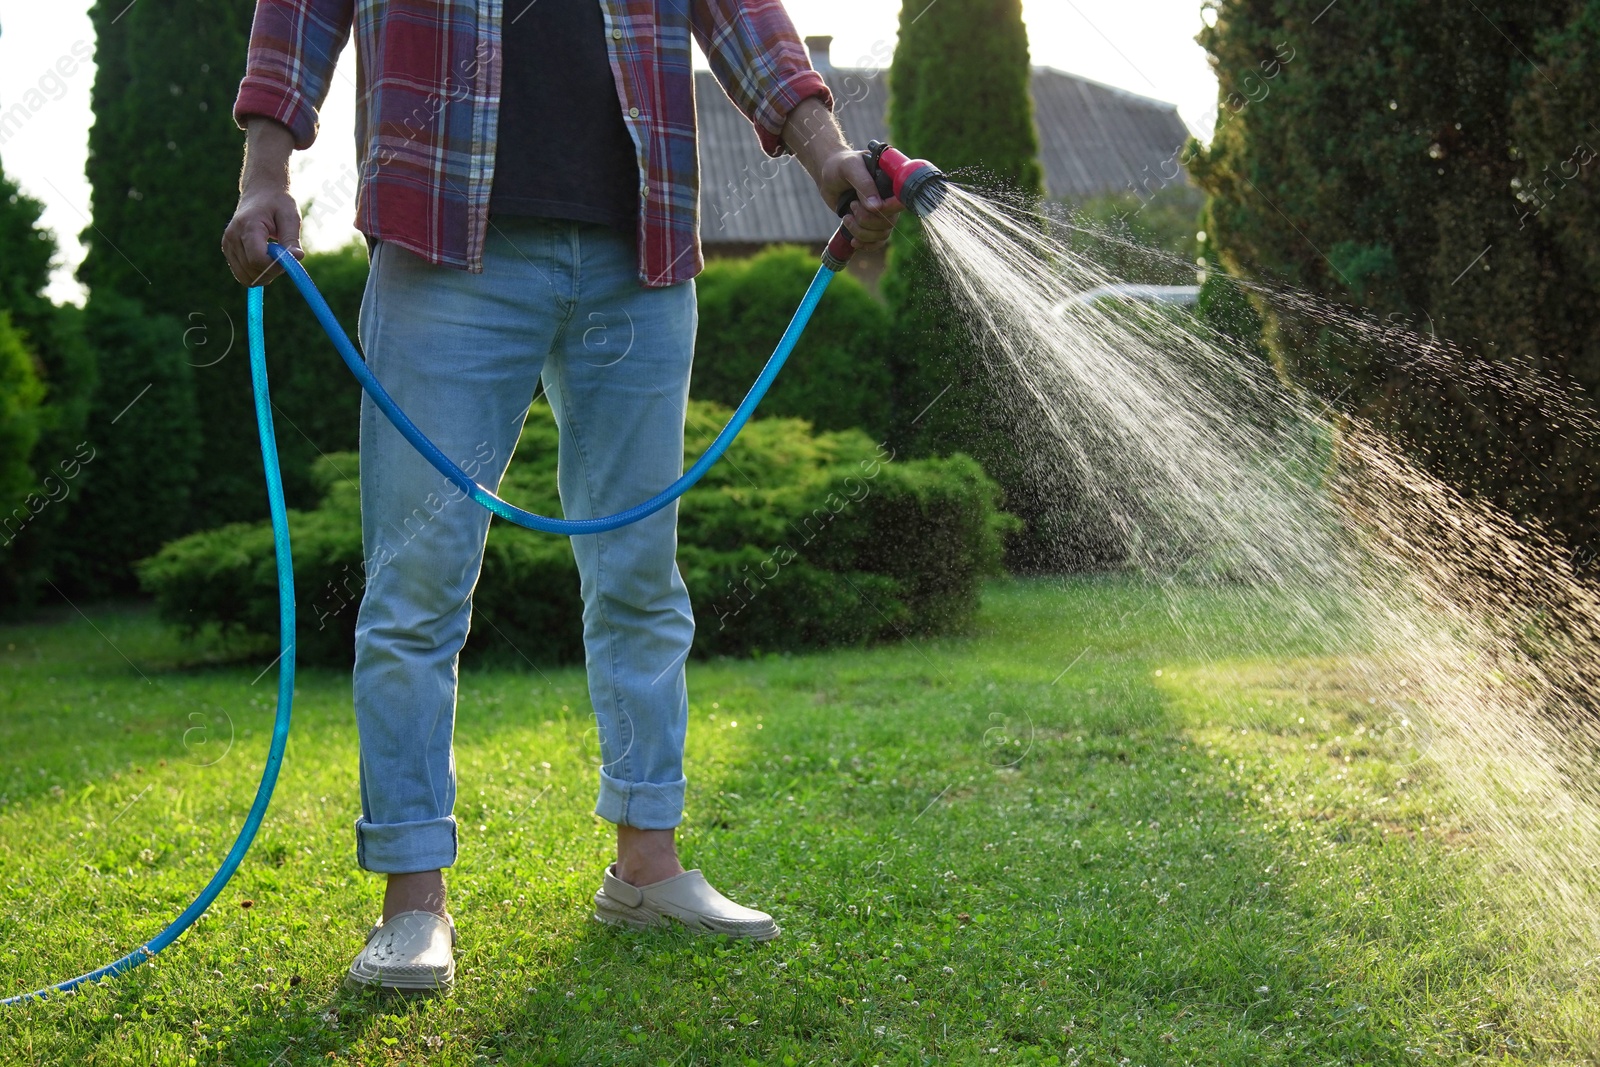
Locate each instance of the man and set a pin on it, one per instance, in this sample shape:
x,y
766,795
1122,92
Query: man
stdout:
x,y
526,173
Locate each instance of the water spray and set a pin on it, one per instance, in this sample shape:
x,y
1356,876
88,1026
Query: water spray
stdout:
x,y
920,187
1476,632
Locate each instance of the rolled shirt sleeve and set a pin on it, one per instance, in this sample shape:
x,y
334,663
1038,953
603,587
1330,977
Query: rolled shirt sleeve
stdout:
x,y
757,56
294,45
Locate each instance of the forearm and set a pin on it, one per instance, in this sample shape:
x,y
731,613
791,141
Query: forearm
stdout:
x,y
814,136
268,146
266,211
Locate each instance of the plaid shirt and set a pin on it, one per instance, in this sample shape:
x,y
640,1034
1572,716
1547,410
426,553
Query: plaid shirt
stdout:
x,y
428,92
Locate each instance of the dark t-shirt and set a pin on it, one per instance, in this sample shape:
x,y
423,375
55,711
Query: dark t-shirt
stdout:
x,y
563,150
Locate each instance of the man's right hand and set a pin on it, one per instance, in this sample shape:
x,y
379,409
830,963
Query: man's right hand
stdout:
x,y
266,210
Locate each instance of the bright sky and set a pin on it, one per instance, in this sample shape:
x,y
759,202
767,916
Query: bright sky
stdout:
x,y
1145,46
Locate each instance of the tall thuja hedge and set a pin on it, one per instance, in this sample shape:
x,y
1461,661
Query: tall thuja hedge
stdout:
x,y
959,95
48,372
1435,164
140,452
163,166
148,471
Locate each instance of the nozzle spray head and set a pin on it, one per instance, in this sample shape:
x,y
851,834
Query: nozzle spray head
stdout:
x,y
918,184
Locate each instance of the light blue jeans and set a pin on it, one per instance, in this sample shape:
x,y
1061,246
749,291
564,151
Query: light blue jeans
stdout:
x,y
462,354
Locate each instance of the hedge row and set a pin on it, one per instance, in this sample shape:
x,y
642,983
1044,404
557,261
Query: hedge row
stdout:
x,y
803,540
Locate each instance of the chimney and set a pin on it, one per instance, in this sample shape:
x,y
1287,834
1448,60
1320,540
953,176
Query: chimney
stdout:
x,y
819,47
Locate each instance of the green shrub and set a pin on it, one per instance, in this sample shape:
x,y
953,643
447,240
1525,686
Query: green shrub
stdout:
x,y
959,95
20,396
63,363
804,540
163,169
836,378
1150,239
26,249
1223,305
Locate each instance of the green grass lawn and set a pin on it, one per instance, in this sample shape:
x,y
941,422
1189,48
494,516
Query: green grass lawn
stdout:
x,y
1078,835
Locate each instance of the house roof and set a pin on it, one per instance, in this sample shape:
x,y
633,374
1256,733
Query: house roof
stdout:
x,y
1093,139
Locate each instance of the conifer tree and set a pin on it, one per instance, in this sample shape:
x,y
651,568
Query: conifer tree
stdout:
x,y
960,96
48,373
163,166
1437,166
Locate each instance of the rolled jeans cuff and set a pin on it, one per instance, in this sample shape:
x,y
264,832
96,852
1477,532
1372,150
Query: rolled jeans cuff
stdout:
x,y
406,847
642,805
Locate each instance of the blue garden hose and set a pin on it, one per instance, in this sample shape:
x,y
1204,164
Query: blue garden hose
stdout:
x,y
280,726
463,481
442,463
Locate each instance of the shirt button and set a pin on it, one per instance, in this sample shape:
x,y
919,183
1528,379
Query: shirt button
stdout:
x,y
616,35
633,112
644,190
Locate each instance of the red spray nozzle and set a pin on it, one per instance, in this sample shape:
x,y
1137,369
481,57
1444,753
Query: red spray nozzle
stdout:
x,y
918,184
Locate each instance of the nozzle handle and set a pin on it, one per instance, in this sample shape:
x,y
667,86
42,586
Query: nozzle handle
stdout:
x,y
880,177
839,249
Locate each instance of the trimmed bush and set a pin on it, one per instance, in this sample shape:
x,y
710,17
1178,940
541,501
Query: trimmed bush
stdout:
x,y
838,375
804,540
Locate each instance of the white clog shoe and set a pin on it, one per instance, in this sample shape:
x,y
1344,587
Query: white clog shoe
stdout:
x,y
412,952
686,898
